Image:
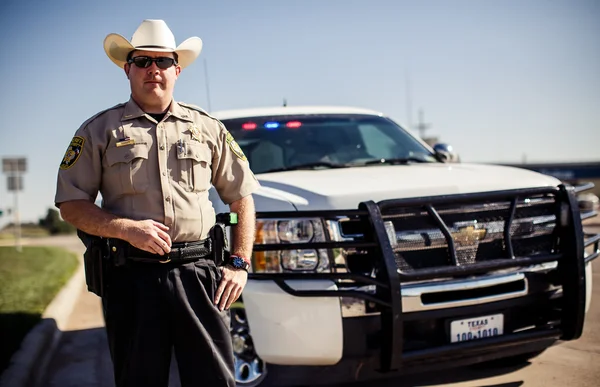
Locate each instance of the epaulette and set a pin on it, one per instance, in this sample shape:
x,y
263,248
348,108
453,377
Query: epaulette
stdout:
x,y
92,118
196,108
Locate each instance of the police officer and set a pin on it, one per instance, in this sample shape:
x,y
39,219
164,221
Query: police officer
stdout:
x,y
153,160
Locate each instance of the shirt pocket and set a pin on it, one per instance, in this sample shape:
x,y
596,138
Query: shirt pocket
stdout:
x,y
194,166
129,167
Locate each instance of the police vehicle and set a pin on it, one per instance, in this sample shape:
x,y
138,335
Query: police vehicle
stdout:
x,y
375,255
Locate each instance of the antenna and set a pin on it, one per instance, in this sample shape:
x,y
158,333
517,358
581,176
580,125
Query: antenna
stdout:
x,y
284,102
408,101
207,87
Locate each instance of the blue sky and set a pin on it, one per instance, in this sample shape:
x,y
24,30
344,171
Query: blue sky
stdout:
x,y
500,80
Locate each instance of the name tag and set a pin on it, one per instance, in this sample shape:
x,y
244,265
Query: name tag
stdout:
x,y
125,141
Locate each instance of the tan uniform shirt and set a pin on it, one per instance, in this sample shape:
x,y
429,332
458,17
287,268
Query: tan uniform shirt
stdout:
x,y
156,170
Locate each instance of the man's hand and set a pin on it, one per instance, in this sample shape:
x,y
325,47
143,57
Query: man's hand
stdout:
x,y
150,236
231,286
147,235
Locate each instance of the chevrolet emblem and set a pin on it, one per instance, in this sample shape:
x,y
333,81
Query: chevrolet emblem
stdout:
x,y
468,235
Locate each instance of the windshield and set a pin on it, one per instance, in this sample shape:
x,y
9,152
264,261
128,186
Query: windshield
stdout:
x,y
282,143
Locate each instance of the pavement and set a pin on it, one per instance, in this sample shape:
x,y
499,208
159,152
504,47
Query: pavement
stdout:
x,y
74,319
69,346
29,363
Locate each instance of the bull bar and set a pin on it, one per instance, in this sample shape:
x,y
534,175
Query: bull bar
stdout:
x,y
388,279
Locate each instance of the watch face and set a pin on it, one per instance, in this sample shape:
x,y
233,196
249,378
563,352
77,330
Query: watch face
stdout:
x,y
238,263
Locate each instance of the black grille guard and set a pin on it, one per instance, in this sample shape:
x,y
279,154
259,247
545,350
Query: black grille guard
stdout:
x,y
388,279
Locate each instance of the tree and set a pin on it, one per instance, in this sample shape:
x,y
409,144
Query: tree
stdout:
x,y
54,224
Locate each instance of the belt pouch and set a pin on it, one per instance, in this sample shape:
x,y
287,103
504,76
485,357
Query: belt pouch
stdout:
x,y
219,245
92,259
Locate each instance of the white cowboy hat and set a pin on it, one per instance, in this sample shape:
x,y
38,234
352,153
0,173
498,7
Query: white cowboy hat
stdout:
x,y
152,35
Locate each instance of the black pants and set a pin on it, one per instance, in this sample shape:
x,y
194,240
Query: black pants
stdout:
x,y
151,309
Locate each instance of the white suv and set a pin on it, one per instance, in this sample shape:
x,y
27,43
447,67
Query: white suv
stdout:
x,y
375,257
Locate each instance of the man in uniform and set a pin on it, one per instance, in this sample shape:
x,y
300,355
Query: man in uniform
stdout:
x,y
154,160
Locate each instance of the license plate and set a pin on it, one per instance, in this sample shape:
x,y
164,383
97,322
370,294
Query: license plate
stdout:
x,y
476,328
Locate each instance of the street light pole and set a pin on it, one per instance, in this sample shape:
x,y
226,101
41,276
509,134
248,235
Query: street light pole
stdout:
x,y
14,167
18,246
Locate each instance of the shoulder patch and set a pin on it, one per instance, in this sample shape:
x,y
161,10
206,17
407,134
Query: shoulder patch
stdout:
x,y
235,148
73,152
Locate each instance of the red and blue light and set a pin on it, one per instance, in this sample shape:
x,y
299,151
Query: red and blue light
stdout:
x,y
271,125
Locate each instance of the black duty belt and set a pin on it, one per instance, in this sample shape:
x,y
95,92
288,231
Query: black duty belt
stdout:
x,y
181,252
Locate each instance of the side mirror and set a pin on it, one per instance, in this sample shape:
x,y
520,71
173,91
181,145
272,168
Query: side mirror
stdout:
x,y
445,153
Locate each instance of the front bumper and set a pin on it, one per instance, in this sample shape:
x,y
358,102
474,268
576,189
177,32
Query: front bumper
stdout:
x,y
531,325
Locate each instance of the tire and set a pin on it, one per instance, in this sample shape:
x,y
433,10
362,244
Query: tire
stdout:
x,y
250,370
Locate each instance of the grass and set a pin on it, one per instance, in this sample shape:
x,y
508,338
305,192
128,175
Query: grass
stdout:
x,y
27,231
28,282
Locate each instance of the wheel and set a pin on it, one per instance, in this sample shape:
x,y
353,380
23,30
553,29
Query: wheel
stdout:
x,y
250,370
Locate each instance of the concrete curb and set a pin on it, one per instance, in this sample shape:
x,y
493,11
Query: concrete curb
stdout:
x,y
28,365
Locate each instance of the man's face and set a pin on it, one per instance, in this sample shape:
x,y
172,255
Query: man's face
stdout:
x,y
152,86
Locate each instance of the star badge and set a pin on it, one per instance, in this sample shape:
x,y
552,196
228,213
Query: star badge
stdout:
x,y
195,132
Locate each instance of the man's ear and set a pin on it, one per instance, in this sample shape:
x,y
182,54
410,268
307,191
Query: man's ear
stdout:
x,y
177,70
126,68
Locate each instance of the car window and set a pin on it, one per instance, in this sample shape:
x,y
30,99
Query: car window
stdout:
x,y
377,142
286,142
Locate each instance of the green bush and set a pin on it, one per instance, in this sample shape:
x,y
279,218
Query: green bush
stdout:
x,y
28,282
55,225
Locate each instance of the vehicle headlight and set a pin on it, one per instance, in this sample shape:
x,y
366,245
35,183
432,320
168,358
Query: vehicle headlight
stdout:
x,y
295,231
284,231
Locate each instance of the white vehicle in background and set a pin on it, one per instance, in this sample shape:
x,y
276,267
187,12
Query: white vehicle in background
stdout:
x,y
374,256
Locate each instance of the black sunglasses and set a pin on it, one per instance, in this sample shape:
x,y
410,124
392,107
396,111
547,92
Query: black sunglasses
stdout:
x,y
162,62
